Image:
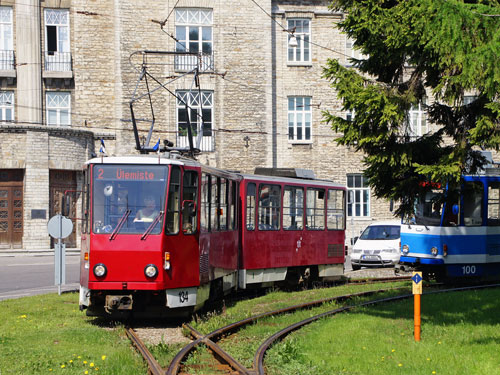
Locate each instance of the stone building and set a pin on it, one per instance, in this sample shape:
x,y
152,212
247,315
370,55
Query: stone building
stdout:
x,y
69,70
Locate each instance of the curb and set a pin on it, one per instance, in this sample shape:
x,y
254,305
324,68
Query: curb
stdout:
x,y
35,253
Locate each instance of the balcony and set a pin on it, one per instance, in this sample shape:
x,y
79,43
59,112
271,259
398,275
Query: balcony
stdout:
x,y
185,63
58,65
7,64
207,142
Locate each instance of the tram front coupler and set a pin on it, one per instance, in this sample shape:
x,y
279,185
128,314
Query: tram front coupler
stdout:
x,y
118,302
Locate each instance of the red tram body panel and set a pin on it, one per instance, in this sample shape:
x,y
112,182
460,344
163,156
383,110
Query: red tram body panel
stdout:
x,y
162,235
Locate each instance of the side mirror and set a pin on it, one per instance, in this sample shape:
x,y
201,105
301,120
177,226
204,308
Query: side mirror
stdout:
x,y
65,205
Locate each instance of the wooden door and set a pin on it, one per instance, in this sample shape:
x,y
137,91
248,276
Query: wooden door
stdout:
x,y
11,208
59,182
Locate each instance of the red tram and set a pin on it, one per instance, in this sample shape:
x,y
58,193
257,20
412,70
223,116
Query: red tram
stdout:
x,y
162,235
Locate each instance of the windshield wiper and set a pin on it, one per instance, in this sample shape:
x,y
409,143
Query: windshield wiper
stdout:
x,y
122,221
151,226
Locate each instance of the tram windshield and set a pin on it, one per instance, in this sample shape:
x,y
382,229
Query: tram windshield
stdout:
x,y
129,199
436,208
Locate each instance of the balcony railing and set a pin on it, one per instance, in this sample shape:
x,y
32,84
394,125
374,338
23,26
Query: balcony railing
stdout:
x,y
207,142
185,63
7,60
58,61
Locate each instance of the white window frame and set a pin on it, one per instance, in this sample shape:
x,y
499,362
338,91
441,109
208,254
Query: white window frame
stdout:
x,y
300,55
299,119
192,98
58,102
350,51
194,19
60,19
417,120
6,35
358,197
6,105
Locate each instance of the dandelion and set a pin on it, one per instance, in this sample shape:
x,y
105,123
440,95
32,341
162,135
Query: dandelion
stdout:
x,y
428,359
50,369
103,357
63,366
84,362
86,372
433,372
400,365
439,342
364,347
91,364
23,316
70,361
393,350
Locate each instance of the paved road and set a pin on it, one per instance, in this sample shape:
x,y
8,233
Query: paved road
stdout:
x,y
25,275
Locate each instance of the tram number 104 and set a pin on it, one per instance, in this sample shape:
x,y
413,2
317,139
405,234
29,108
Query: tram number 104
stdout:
x,y
183,296
468,270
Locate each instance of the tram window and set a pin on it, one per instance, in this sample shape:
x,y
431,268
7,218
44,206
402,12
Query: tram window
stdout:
x,y
335,210
315,209
85,202
189,202
214,203
232,208
173,203
222,209
293,208
494,204
269,207
250,206
205,202
473,203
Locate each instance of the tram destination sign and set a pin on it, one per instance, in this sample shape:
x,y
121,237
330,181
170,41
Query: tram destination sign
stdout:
x,y
130,173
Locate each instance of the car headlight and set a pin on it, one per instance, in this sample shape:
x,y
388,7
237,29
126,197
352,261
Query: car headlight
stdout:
x,y
151,270
434,251
100,270
406,249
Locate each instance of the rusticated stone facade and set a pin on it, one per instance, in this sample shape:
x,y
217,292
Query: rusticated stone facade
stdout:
x,y
251,82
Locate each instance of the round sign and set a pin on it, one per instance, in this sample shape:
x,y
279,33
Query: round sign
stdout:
x,y
59,226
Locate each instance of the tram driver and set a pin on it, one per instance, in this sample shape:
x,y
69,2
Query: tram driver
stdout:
x,y
149,213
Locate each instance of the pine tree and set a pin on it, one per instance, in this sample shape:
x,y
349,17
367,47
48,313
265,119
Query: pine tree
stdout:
x,y
419,51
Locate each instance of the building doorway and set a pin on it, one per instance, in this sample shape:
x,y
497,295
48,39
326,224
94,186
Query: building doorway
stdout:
x,y
59,182
11,208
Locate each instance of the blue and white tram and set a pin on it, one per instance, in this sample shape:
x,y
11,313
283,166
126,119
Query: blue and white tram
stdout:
x,y
455,234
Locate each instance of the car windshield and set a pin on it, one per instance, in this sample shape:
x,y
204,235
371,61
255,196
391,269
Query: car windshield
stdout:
x,y
381,232
131,194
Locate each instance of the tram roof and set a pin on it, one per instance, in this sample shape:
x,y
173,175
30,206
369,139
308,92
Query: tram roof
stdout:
x,y
302,181
142,159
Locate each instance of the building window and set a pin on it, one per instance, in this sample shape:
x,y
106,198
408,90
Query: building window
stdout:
x,y
6,105
417,124
302,32
358,196
57,49
193,32
6,44
58,108
199,107
299,119
351,52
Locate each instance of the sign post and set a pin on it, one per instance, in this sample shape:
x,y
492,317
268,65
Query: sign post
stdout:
x,y
417,291
59,227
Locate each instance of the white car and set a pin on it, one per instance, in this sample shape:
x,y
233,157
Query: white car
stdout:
x,y
378,245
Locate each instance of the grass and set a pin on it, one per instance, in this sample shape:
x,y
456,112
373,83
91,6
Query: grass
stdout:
x,y
47,334
460,335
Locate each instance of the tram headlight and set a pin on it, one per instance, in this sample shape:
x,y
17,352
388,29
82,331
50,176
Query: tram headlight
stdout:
x,y
100,270
434,251
151,270
406,249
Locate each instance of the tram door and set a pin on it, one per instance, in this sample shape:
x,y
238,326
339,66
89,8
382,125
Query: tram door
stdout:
x,y
60,181
11,208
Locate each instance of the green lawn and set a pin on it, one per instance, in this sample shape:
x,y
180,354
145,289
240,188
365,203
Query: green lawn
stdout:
x,y
47,334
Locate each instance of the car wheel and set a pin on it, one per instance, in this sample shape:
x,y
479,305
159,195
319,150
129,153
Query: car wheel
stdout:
x,y
355,268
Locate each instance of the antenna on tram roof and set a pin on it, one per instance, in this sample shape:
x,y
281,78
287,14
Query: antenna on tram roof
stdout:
x,y
181,60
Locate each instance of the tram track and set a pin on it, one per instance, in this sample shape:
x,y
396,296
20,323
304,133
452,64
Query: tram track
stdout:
x,y
229,365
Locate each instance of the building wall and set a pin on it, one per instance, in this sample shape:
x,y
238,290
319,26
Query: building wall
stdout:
x,y
251,83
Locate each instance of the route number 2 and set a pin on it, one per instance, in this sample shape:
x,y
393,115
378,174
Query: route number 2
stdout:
x,y
183,296
468,270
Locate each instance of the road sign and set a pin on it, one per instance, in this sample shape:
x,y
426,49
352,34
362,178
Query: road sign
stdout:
x,y
59,226
417,282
